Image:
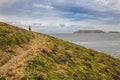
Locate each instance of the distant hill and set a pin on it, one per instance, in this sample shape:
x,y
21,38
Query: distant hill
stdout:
x,y
27,55
89,31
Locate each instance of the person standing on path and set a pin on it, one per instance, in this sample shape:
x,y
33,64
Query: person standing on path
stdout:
x,y
29,28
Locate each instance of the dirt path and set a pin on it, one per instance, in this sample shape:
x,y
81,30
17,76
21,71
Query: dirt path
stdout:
x,y
14,69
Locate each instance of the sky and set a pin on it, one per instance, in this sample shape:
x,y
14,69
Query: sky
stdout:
x,y
62,16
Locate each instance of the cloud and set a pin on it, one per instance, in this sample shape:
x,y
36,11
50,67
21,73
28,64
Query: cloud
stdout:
x,y
42,6
9,2
84,14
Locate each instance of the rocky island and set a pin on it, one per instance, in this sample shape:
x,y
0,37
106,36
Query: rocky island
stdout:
x,y
114,32
89,31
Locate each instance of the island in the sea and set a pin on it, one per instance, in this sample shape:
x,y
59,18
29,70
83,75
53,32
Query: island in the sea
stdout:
x,y
89,31
114,32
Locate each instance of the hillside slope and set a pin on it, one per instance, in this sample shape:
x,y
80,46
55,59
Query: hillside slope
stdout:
x,y
42,57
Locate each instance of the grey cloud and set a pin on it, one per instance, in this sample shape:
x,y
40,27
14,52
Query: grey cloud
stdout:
x,y
51,13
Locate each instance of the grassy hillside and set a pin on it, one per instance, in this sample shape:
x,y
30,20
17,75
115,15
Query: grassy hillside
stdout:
x,y
55,59
67,61
11,37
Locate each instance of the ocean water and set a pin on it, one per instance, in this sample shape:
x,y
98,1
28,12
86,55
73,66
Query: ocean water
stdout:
x,y
108,43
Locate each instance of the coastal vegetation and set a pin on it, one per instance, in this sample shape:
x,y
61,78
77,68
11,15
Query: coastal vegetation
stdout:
x,y
10,35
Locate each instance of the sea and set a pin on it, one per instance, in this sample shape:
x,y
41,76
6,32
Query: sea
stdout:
x,y
108,43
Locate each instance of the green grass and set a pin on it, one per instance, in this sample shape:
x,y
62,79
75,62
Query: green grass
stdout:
x,y
10,35
68,61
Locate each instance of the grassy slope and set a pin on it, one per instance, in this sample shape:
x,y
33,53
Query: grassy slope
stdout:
x,y
59,59
9,37
68,61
